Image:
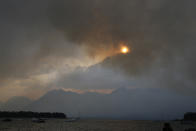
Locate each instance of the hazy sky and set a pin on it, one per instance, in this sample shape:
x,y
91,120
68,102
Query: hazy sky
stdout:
x,y
74,45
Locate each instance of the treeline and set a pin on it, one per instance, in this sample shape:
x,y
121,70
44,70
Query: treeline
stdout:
x,y
190,116
29,114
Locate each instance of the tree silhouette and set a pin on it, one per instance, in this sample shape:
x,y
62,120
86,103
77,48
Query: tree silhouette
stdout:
x,y
29,114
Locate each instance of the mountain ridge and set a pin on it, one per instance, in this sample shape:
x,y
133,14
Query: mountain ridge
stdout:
x,y
122,103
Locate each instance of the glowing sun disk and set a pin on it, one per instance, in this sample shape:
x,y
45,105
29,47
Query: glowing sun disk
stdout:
x,y
124,49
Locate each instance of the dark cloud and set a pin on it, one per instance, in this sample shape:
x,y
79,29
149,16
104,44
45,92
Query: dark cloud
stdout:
x,y
161,34
27,40
153,29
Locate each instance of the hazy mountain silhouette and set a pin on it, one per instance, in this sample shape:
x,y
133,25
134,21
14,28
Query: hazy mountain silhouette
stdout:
x,y
134,103
56,100
123,103
16,103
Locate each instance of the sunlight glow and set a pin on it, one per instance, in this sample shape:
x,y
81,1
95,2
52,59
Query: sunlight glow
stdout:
x,y
124,50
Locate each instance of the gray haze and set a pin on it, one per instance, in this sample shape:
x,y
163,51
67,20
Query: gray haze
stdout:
x,y
72,45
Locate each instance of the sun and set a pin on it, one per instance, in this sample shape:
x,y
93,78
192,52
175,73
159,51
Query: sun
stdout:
x,y
124,50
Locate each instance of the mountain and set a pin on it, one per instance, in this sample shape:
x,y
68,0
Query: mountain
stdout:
x,y
136,103
123,103
16,103
55,101
68,102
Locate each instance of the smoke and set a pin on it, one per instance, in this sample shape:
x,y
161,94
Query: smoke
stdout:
x,y
40,37
152,29
160,33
